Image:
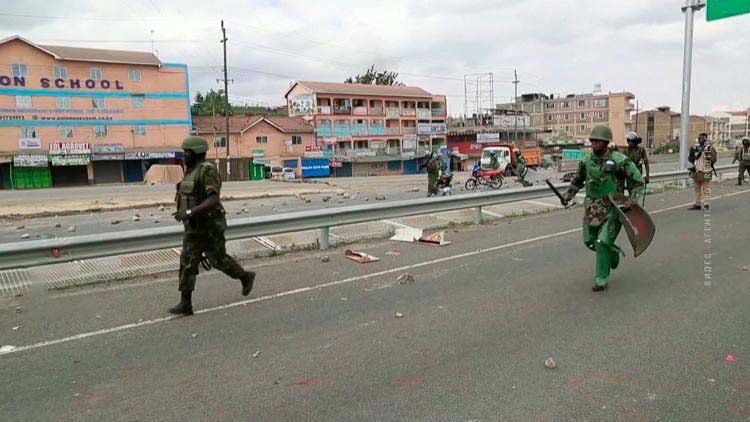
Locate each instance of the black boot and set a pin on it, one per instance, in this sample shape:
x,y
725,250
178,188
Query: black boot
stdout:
x,y
598,288
247,282
185,307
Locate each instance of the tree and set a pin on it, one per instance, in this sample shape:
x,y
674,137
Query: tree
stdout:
x,y
213,103
371,76
198,102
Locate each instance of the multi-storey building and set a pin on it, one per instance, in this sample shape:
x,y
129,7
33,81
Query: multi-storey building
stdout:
x,y
717,129
576,115
531,104
738,125
370,129
661,125
72,116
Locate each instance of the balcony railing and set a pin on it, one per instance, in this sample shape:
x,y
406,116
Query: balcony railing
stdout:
x,y
376,111
377,131
359,130
324,131
342,110
392,131
409,112
392,113
424,114
438,112
342,131
324,109
409,130
359,111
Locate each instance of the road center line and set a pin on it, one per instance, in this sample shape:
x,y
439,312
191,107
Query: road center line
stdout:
x,y
324,285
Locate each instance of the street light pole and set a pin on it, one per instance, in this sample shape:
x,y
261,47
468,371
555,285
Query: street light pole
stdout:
x,y
691,6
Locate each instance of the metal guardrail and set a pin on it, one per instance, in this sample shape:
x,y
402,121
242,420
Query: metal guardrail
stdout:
x,y
53,251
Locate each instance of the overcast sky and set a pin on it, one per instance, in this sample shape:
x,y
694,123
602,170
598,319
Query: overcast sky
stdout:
x,y
557,46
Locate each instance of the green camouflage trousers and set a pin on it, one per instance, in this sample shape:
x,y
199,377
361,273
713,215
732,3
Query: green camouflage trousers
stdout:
x,y
432,184
601,239
213,245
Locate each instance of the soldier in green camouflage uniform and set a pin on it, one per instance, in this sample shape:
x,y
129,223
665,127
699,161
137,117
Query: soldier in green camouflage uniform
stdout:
x,y
602,173
742,154
637,154
201,212
494,163
521,169
434,164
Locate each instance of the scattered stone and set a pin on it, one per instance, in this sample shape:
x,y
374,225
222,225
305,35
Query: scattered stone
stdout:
x,y
37,236
415,190
150,214
256,354
514,387
136,218
711,381
344,299
367,199
18,309
16,328
6,348
115,222
307,201
161,207
283,204
96,201
245,210
399,315
326,198
238,213
346,196
20,227
137,215
325,258
340,201
405,279
58,225
194,335
550,363
744,268
156,221
25,236
380,198
730,358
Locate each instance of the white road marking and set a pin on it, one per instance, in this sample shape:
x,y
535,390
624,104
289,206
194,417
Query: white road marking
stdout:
x,y
322,286
270,244
494,214
544,204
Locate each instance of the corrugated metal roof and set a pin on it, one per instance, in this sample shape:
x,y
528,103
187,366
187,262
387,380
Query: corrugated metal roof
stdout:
x,y
365,90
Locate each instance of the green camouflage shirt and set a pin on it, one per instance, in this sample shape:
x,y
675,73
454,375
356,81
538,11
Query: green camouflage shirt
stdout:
x,y
638,156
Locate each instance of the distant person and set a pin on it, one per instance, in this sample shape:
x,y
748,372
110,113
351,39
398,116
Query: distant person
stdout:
x,y
494,163
742,154
521,169
703,157
637,154
434,164
200,210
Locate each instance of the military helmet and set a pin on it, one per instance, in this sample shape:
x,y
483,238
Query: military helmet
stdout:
x,y
633,137
601,133
196,144
745,141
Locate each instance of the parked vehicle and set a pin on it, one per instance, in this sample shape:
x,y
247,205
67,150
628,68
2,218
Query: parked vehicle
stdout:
x,y
445,183
491,178
506,157
288,173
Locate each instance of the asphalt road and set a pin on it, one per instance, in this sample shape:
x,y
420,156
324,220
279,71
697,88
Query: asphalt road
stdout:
x,y
359,191
478,322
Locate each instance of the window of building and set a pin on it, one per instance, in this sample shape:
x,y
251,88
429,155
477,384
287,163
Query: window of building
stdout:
x,y
550,118
23,101
100,131
600,115
565,104
134,75
59,72
566,117
63,103
220,142
28,132
97,103
583,103
139,130
296,140
583,116
567,128
95,73
261,139
600,103
20,70
583,128
136,101
550,106
65,131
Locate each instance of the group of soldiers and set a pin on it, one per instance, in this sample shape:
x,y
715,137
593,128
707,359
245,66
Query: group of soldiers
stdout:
x,y
602,174
520,170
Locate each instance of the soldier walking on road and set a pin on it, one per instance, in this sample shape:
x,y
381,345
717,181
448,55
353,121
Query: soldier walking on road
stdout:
x,y
703,157
637,154
434,164
200,210
743,156
494,163
602,173
521,169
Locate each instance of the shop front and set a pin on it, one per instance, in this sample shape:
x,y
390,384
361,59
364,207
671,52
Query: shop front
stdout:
x,y
106,160
70,163
30,171
6,167
137,162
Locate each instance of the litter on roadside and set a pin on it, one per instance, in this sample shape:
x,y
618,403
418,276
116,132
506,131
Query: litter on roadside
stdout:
x,y
360,257
437,239
407,234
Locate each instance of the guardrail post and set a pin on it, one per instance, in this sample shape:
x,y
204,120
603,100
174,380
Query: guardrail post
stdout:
x,y
324,238
478,215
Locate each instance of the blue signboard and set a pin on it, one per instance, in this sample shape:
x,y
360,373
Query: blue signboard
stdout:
x,y
315,168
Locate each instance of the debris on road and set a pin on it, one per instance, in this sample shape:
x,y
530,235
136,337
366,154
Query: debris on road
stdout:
x,y
245,210
58,225
307,201
156,221
256,354
326,198
407,234
71,229
161,207
399,315
136,218
18,309
360,257
729,358
16,328
415,190
325,258
25,236
6,348
115,222
367,199
347,196
405,279
711,381
340,193
194,335
20,227
437,238
393,251
550,363
380,197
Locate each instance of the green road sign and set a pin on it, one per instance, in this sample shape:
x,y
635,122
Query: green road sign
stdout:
x,y
720,9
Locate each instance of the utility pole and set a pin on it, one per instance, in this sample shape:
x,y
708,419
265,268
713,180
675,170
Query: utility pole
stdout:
x,y
636,117
226,86
515,103
691,6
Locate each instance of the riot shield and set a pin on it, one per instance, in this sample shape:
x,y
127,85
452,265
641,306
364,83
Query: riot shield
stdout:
x,y
637,223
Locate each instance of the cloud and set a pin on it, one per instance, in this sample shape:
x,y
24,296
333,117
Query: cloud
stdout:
x,y
557,46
